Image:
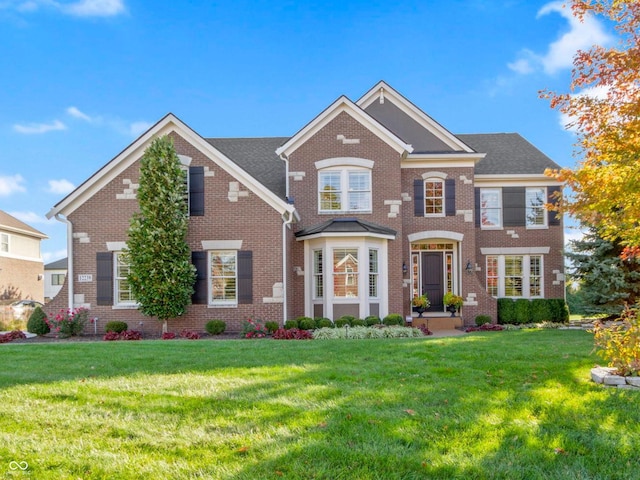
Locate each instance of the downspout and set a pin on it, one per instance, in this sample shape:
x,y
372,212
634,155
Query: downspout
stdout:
x,y
284,158
62,219
285,224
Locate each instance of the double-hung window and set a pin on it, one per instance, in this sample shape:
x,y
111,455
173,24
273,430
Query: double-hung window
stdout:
x,y
223,277
374,272
345,272
490,208
434,197
121,285
344,191
318,275
536,215
57,278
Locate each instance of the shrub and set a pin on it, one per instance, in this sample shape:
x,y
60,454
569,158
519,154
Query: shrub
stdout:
x,y
306,323
620,343
189,334
393,319
37,322
215,327
115,326
11,336
343,321
372,320
425,330
131,335
506,310
521,310
357,322
292,334
487,327
540,310
324,323
271,326
253,329
168,336
68,323
482,319
111,336
559,310
291,324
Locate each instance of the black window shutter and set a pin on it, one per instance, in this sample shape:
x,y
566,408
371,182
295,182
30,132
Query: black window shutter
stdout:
x,y
104,278
418,198
476,195
200,290
513,206
450,197
554,219
245,277
196,191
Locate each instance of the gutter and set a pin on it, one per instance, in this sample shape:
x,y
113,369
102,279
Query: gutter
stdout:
x,y
62,219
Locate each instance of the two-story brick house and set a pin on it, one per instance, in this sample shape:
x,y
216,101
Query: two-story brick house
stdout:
x,y
367,205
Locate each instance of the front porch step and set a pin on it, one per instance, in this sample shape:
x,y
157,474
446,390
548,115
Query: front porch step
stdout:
x,y
438,323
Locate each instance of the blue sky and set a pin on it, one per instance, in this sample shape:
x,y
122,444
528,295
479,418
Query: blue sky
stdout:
x,y
81,79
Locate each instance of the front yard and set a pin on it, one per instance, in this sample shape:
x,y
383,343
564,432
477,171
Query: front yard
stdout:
x,y
495,405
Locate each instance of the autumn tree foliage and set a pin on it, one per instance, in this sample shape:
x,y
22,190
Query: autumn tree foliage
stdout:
x,y
604,110
161,274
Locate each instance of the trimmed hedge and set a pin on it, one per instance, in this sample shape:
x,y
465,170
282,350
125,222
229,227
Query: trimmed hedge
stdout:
x,y
37,322
116,327
324,323
482,319
537,310
393,319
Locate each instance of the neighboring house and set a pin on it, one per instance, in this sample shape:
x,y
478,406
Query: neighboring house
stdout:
x,y
370,203
55,274
21,266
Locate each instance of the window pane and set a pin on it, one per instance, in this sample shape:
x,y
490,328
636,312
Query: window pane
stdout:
x,y
535,276
433,197
359,191
535,206
318,274
513,275
223,276
345,272
121,284
492,276
330,191
490,208
373,273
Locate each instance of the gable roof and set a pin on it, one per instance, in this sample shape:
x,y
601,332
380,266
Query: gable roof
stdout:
x,y
12,224
343,104
507,154
61,264
169,123
257,156
410,123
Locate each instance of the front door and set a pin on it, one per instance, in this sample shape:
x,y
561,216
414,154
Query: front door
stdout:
x,y
433,279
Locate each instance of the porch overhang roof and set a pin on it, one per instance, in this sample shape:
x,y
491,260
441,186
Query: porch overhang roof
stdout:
x,y
346,227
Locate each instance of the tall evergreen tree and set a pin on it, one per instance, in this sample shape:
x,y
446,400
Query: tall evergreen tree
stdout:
x,y
606,281
161,274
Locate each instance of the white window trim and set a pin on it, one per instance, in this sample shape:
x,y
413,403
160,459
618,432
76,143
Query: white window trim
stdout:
x,y
545,213
344,171
492,227
526,274
116,284
220,303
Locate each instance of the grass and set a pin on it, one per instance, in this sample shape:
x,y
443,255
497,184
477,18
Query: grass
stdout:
x,y
494,405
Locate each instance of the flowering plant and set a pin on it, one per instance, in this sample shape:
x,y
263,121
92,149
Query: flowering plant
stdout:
x,y
421,301
253,329
452,299
68,323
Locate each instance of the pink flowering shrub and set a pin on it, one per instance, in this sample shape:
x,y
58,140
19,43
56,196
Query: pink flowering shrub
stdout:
x,y
253,329
126,335
68,323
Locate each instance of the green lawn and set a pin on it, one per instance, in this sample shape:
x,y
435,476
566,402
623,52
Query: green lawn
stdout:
x,y
495,405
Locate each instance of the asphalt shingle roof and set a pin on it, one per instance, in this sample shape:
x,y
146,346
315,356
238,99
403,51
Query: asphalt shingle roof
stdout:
x,y
345,225
8,222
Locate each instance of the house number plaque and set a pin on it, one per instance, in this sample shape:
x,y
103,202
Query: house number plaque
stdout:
x,y
85,277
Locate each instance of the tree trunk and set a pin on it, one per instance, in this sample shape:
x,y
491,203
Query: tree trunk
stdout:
x,y
164,326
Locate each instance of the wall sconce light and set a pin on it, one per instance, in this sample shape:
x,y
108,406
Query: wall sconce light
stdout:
x,y
404,268
469,268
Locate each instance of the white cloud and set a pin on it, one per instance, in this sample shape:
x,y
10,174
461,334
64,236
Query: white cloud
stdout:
x,y
138,128
80,8
582,35
76,113
60,186
38,128
11,184
94,8
30,218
